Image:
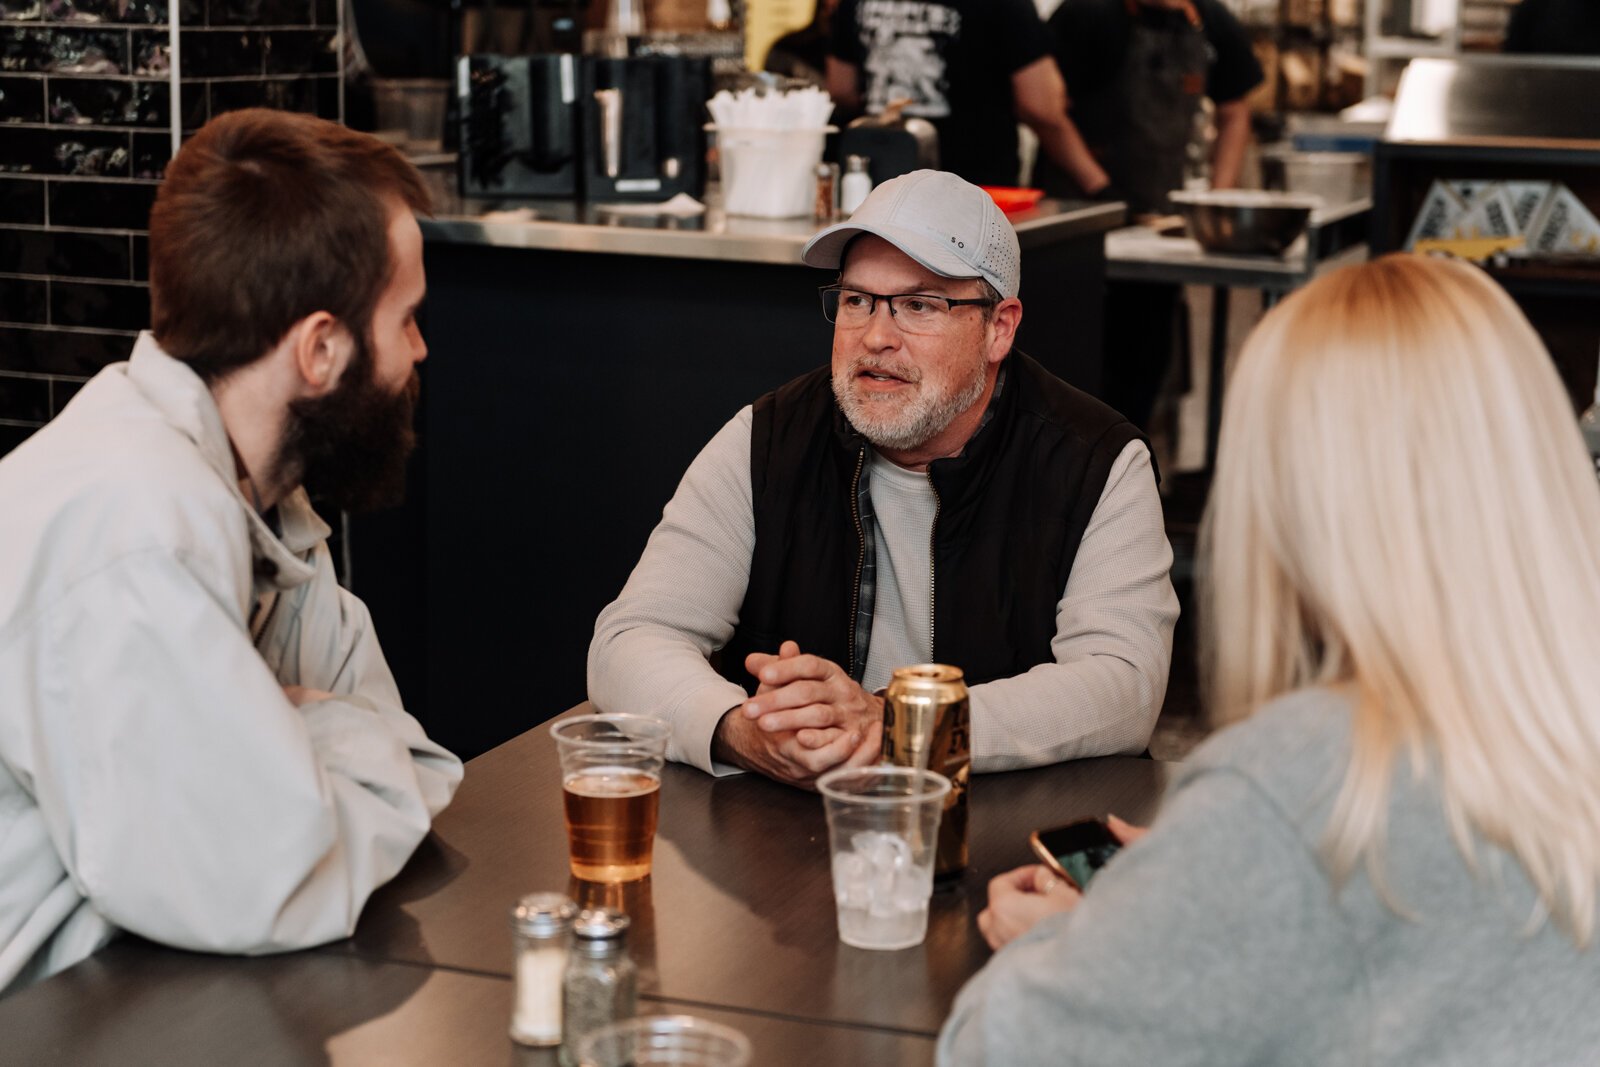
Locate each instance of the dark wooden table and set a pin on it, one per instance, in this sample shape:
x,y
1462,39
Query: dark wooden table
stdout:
x,y
736,923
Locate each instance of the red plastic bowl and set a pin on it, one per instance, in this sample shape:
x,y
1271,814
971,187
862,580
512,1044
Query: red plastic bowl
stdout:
x,y
1011,199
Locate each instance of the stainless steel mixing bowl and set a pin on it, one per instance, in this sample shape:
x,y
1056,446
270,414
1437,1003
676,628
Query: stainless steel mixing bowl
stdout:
x,y
1247,221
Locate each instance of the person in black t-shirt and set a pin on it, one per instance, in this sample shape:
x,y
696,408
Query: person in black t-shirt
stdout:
x,y
971,67
1135,72
1564,27
804,52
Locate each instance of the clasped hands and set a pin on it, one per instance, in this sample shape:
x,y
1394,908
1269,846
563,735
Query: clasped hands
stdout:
x,y
807,717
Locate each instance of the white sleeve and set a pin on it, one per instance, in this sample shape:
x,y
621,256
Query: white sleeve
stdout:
x,y
322,637
1113,643
681,603
188,799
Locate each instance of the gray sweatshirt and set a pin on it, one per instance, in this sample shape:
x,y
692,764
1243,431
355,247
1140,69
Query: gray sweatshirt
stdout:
x,y
1219,939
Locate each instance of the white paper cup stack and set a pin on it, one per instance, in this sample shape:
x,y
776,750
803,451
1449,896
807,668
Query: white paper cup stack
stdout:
x,y
770,146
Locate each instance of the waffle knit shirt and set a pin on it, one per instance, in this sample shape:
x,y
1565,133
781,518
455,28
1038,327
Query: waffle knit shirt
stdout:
x,y
1112,645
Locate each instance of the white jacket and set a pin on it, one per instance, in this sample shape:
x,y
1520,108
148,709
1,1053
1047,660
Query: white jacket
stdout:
x,y
153,775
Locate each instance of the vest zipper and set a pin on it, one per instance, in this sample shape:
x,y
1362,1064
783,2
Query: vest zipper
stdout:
x,y
861,555
933,555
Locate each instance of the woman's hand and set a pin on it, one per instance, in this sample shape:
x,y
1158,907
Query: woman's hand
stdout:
x,y
1020,898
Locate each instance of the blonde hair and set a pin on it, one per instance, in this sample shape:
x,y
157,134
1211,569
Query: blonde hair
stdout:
x,y
1403,508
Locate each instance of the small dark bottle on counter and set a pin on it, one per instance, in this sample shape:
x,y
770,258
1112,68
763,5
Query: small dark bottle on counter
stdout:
x,y
602,984
827,192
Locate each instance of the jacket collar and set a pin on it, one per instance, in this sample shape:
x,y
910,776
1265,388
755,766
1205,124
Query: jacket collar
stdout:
x,y
959,480
282,559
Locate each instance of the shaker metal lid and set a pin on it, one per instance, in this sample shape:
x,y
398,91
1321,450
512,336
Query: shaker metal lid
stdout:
x,y
600,924
542,914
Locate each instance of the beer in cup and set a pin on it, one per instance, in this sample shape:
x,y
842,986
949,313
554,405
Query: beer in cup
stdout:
x,y
611,787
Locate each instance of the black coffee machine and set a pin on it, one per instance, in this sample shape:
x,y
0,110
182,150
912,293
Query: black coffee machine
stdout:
x,y
582,127
643,127
519,129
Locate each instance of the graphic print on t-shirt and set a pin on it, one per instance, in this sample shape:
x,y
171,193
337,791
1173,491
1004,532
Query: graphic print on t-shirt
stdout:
x,y
906,44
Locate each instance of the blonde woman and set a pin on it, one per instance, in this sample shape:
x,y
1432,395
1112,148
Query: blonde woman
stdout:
x,y
1394,858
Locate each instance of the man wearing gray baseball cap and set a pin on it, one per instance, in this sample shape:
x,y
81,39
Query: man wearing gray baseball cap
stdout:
x,y
934,495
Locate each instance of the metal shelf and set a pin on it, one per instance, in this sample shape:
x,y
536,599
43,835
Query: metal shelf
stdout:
x,y
1408,48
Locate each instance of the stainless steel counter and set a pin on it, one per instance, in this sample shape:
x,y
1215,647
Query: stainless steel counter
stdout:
x,y
1136,253
1459,102
563,226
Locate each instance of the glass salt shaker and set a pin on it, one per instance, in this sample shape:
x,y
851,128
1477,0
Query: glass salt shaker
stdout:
x,y
602,984
541,933
855,185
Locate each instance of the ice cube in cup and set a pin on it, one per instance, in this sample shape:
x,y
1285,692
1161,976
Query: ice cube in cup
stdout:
x,y
883,826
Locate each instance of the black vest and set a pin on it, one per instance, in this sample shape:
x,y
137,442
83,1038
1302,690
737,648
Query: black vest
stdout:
x,y
1012,509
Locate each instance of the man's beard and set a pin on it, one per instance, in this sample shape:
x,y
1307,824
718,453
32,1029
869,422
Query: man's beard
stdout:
x,y
905,422
350,446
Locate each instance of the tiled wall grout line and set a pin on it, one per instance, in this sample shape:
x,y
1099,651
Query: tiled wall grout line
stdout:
x,y
77,241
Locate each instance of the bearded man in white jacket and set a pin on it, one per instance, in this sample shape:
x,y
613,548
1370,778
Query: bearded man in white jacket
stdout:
x,y
200,741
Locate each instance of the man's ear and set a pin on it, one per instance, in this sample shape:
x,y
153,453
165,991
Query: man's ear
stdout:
x,y
321,348
1003,328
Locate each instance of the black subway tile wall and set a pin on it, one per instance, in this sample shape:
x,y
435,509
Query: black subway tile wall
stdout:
x,y
86,110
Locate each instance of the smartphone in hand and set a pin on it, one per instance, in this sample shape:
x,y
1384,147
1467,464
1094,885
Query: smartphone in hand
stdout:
x,y
1076,851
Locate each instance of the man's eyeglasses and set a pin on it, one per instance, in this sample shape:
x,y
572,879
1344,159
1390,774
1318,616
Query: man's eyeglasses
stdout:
x,y
912,312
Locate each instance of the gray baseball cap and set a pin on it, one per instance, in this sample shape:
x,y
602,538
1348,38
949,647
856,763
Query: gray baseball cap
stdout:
x,y
948,225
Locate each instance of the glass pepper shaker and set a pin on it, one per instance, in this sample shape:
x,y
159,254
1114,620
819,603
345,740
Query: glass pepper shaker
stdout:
x,y
602,984
541,933
827,205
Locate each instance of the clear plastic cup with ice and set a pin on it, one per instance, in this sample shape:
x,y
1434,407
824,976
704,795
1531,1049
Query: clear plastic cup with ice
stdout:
x,y
883,824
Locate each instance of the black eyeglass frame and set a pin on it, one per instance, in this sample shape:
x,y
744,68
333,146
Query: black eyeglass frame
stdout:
x,y
951,302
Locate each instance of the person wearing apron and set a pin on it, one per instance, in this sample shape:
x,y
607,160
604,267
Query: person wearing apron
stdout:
x,y
1139,124
1138,73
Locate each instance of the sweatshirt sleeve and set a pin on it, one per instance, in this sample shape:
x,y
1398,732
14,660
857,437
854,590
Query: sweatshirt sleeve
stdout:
x,y
188,799
681,603
1214,940
1102,691
322,637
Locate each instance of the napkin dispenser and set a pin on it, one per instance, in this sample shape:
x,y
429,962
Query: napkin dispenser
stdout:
x,y
642,120
895,144
519,126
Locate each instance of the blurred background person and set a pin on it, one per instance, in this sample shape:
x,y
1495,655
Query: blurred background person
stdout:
x,y
803,53
974,68
1394,859
1137,73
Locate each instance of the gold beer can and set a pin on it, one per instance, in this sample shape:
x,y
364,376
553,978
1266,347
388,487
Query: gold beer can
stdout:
x,y
926,724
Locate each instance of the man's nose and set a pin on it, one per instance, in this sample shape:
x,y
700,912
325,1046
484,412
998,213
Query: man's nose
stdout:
x,y
882,330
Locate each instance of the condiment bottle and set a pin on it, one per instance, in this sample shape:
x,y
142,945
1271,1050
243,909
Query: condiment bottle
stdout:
x,y
541,934
827,205
855,186
602,984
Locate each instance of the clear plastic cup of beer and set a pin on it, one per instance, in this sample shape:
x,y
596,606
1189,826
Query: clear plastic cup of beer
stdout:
x,y
611,789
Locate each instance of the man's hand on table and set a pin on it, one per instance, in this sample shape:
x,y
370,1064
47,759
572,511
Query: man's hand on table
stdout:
x,y
1020,898
806,718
